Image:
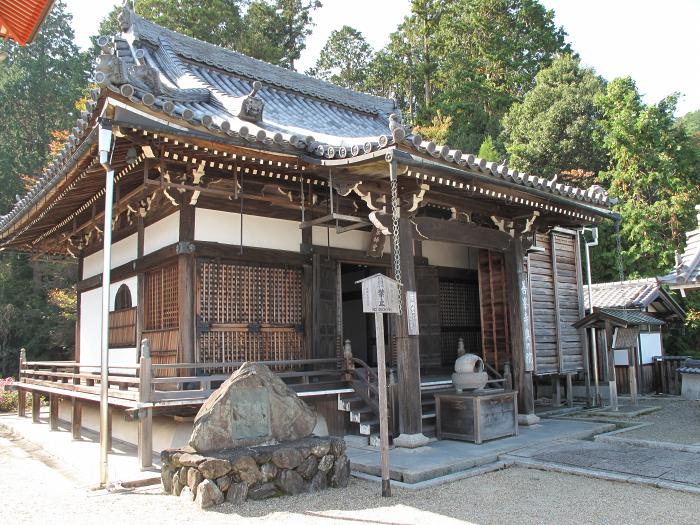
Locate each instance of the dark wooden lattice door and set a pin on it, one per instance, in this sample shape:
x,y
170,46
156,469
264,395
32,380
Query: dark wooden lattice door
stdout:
x,y
459,317
494,309
428,295
249,313
326,340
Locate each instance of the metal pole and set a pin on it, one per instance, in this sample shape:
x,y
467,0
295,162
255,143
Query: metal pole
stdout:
x,y
594,343
383,410
105,147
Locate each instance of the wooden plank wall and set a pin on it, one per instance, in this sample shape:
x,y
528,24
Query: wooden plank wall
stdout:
x,y
494,309
122,328
160,311
555,298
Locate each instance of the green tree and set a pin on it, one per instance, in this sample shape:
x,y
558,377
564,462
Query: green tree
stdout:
x,y
344,59
297,25
39,85
552,129
654,171
489,151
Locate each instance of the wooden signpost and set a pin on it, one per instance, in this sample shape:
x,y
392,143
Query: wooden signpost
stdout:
x,y
380,295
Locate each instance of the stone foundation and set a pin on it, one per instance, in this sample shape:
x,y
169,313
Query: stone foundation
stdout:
x,y
235,475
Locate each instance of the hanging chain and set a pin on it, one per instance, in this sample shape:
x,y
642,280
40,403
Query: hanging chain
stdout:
x,y
618,251
395,214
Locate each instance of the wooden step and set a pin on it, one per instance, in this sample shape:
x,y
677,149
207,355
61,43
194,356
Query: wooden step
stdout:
x,y
362,414
367,428
351,402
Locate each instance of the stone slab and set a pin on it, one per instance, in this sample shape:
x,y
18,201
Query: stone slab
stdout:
x,y
442,458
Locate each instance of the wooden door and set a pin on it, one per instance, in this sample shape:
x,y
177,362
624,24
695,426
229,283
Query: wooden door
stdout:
x,y
495,336
326,335
459,318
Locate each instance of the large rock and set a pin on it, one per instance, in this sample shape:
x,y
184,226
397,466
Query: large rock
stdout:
x,y
214,468
290,482
208,494
252,407
246,469
237,493
341,472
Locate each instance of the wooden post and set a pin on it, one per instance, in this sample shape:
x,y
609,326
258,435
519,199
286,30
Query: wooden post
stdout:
x,y
520,329
109,428
21,392
76,420
556,391
53,411
140,278
632,373
145,438
36,406
612,382
349,363
407,350
185,282
383,411
570,390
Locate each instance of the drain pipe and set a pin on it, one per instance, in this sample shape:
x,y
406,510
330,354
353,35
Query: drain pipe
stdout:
x,y
594,342
105,148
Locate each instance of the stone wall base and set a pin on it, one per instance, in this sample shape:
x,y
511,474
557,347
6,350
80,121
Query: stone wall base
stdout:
x,y
236,475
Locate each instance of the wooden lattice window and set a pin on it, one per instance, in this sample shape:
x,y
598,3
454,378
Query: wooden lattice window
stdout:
x,y
160,299
249,313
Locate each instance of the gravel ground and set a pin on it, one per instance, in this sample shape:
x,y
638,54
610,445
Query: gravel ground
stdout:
x,y
33,492
678,421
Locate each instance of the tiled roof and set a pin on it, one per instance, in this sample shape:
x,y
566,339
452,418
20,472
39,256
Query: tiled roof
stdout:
x,y
686,274
20,20
195,84
638,293
618,317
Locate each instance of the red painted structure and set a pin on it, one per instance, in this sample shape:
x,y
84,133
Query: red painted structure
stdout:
x,y
20,20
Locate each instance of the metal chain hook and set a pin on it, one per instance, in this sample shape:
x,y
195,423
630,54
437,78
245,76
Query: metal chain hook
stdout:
x,y
395,215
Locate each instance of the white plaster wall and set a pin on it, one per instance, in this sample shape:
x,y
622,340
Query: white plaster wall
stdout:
x,y
90,327
450,255
258,232
162,233
649,346
122,252
167,433
350,240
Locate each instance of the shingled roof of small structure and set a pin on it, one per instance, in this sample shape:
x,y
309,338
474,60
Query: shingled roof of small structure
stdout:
x,y
633,294
686,274
196,85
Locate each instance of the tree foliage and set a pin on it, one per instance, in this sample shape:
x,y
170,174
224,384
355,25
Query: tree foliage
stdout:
x,y
552,129
344,60
39,85
654,171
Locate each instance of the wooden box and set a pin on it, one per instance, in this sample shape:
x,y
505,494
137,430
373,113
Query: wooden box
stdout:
x,y
476,416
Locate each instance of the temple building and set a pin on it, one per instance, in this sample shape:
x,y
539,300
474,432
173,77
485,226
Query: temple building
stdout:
x,y
247,202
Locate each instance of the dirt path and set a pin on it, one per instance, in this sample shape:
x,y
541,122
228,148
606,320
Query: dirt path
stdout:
x,y
33,492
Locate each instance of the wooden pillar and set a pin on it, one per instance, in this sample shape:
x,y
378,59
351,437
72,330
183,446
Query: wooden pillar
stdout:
x,y
570,390
612,382
520,330
53,411
76,419
145,437
109,428
185,281
632,374
36,406
407,350
21,402
556,391
140,280
78,306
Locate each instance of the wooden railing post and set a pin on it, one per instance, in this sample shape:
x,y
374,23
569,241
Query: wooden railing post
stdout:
x,y
145,439
53,411
507,377
36,406
21,392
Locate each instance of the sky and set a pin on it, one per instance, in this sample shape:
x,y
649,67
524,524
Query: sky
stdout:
x,y
655,42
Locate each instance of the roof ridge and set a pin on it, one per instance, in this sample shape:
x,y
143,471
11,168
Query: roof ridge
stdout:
x,y
254,68
630,282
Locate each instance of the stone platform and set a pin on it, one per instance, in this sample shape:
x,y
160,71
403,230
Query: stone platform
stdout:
x,y
235,475
445,459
